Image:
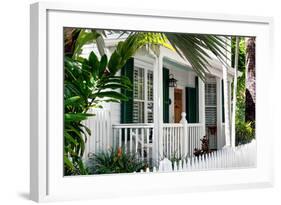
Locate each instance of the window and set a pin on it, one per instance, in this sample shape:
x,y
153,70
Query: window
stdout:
x,y
149,96
211,101
143,95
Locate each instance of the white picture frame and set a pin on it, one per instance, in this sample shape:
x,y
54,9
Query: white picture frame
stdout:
x,y
47,182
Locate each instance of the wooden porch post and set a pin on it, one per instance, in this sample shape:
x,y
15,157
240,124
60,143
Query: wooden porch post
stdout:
x,y
234,92
227,94
159,101
201,90
230,113
185,137
157,150
226,107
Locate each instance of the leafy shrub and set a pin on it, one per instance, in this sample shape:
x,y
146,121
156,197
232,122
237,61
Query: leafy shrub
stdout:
x,y
176,159
204,147
76,166
114,161
244,132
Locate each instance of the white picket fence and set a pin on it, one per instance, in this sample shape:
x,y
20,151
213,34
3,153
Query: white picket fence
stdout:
x,y
101,131
243,156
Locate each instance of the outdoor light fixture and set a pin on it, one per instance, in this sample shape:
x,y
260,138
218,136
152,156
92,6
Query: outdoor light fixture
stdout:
x,y
172,81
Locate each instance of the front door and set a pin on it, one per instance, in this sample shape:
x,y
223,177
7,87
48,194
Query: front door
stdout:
x,y
178,104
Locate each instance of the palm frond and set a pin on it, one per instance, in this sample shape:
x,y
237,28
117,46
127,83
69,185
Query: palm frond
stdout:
x,y
194,47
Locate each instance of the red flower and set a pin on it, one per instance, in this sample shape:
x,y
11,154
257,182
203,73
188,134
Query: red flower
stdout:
x,y
119,152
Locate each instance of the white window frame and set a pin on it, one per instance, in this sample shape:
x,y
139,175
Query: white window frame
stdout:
x,y
146,66
208,105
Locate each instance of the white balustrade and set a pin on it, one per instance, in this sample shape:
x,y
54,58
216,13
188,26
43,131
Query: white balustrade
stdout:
x,y
180,139
134,138
195,133
173,140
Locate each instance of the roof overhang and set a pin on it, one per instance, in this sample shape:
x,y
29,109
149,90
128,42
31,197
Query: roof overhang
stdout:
x,y
170,57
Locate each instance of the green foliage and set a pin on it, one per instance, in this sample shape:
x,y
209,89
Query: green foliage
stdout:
x,y
191,47
204,147
241,88
84,38
74,166
242,53
87,83
114,161
194,47
244,132
175,159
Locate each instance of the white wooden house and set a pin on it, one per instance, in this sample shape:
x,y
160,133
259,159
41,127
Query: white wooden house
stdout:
x,y
160,120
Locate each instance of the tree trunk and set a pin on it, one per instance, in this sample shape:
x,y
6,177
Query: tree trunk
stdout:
x,y
70,36
250,104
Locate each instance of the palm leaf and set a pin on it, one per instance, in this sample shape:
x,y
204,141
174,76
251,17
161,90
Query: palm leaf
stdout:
x,y
110,94
193,48
84,37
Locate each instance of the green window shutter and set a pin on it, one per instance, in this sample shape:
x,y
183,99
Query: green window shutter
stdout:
x,y
197,100
192,103
127,106
166,95
222,103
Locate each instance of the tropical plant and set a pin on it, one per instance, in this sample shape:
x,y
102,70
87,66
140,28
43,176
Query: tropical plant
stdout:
x,y
240,97
244,132
87,82
250,107
244,129
194,48
115,161
204,147
176,159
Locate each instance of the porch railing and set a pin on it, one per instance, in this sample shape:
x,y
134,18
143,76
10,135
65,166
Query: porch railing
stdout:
x,y
195,133
173,141
178,139
134,138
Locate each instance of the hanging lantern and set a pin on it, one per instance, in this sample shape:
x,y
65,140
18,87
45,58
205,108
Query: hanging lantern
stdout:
x,y
172,81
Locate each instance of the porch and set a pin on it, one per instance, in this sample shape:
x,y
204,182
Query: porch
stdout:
x,y
177,141
162,121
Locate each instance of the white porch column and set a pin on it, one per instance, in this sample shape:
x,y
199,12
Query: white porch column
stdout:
x,y
158,108
201,90
233,116
160,103
232,143
185,137
220,135
226,107
227,94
